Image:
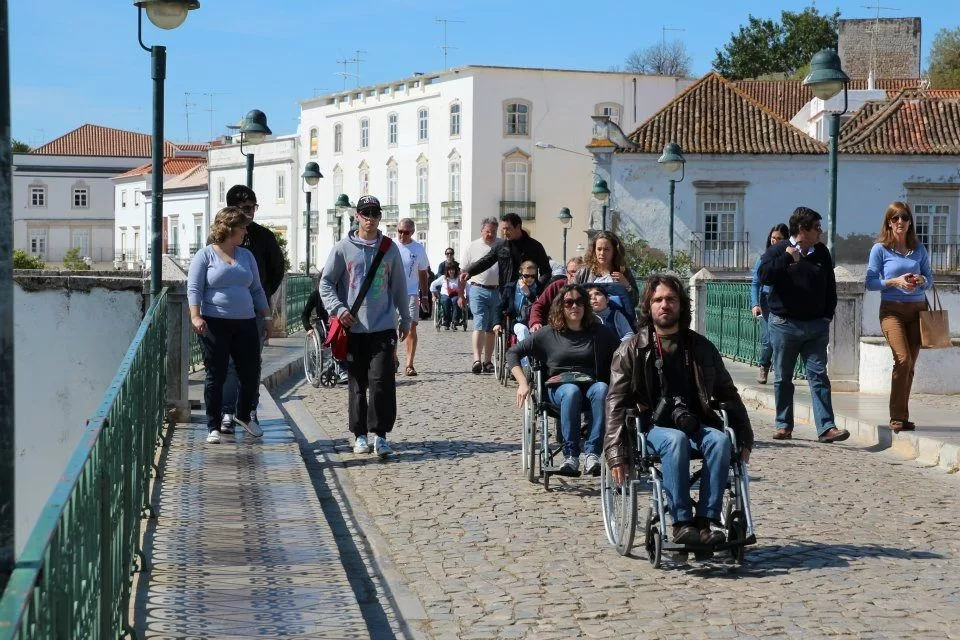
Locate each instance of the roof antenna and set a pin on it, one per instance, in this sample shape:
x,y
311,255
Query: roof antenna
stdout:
x,y
445,46
873,41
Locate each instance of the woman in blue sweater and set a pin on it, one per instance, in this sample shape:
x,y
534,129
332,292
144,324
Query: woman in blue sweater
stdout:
x,y
899,268
225,296
758,302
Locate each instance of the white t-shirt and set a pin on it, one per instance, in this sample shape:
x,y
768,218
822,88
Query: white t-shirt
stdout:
x,y
476,250
414,257
445,286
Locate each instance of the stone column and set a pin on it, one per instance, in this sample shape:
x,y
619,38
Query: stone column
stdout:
x,y
698,300
844,350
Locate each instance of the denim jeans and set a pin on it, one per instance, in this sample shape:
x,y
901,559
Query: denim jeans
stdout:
x,y
766,349
231,386
673,446
807,339
570,397
451,310
522,332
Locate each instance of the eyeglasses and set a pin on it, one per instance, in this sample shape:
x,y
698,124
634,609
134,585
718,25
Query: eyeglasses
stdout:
x,y
448,253
249,208
898,218
370,215
570,303
528,276
403,232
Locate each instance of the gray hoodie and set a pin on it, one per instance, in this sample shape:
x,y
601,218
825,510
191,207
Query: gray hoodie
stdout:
x,y
344,273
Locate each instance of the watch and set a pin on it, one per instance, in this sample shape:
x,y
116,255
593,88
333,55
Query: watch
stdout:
x,y
268,318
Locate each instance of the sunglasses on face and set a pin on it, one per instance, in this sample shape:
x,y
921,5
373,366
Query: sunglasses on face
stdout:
x,y
403,232
528,276
898,218
249,208
448,253
570,303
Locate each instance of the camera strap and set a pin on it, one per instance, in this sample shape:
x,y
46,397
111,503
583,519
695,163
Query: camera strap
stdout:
x,y
659,362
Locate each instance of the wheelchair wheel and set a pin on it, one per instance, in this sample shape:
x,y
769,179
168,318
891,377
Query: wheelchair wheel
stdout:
x,y
312,359
654,544
543,435
619,507
737,532
437,320
529,450
499,349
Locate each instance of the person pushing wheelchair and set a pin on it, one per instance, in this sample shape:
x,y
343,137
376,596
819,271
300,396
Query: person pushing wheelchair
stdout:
x,y
671,373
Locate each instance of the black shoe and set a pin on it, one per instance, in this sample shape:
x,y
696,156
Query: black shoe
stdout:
x,y
685,533
488,367
477,367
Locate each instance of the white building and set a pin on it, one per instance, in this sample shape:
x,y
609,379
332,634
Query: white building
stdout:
x,y
747,168
451,148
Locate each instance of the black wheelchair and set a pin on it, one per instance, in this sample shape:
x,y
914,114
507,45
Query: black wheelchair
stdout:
x,y
319,366
439,316
622,516
503,340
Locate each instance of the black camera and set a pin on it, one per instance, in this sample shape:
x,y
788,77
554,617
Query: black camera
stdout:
x,y
673,411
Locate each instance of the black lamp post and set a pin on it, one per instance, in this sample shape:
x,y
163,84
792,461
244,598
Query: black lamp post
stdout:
x,y
342,204
602,193
672,160
164,14
7,435
566,220
827,79
253,130
311,176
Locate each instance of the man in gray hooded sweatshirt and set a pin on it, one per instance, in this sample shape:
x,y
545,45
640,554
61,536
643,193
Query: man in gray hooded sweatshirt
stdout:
x,y
374,330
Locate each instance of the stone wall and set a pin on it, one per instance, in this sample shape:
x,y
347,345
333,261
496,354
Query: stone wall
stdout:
x,y
896,46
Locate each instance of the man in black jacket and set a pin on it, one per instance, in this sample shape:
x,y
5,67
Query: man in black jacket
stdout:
x,y
265,248
802,299
513,248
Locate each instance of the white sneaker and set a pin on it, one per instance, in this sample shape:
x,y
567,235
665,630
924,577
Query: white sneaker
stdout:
x,y
361,446
381,447
570,466
226,423
251,426
213,437
253,416
591,466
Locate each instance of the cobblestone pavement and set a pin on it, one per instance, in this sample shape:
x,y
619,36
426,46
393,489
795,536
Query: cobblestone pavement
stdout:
x,y
851,543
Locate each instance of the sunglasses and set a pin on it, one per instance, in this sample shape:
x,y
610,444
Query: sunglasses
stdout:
x,y
403,232
570,303
448,253
528,276
898,218
249,208
370,215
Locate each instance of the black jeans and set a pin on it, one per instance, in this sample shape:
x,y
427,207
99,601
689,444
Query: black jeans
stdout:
x,y
225,339
370,366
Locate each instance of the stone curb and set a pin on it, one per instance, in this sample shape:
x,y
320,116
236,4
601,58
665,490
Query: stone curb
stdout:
x,y
927,451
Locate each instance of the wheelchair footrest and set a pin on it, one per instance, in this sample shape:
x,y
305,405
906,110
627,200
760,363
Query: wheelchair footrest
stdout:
x,y
671,546
555,471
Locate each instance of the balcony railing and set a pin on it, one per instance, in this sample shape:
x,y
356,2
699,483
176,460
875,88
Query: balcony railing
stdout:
x,y
723,252
332,218
944,255
523,208
73,578
194,247
420,212
173,250
451,211
391,213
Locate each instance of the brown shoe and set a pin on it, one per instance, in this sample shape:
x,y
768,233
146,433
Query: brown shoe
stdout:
x,y
782,434
710,535
762,378
685,533
834,435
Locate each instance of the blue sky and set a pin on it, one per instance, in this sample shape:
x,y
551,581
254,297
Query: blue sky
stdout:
x,y
77,62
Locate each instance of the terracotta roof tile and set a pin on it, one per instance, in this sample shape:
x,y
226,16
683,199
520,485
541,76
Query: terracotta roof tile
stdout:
x,y
787,97
94,140
171,166
195,177
913,123
713,116
192,146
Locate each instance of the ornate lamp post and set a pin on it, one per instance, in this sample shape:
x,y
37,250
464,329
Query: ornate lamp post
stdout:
x,y
672,160
566,220
253,130
827,79
311,176
343,203
602,193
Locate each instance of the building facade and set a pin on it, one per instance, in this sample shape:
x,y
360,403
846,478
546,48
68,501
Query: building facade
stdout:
x,y
449,149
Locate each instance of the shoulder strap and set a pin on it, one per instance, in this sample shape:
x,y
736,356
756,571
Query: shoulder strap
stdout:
x,y
368,279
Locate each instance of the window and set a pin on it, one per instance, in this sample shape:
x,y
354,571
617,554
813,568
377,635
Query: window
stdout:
x,y
281,186
455,180
38,242
136,197
516,118
314,141
453,240
719,225
392,129
221,190
123,198
516,179
81,197
174,248
364,134
338,138
423,182
364,176
455,119
422,125
80,239
422,239
610,109
931,222
123,241
38,196
337,181
392,184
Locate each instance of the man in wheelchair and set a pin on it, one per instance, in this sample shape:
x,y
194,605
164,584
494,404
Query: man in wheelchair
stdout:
x,y
671,374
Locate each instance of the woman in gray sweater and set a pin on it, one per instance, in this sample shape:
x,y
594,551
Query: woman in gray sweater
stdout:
x,y
225,296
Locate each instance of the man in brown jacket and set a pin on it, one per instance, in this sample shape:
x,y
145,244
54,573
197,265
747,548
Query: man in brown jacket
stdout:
x,y
671,373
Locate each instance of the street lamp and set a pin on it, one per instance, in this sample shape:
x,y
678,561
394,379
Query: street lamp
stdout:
x,y
311,176
342,204
566,220
827,79
164,14
253,130
546,145
602,193
672,160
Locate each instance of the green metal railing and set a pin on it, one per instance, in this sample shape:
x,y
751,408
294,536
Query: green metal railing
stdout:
x,y
731,326
73,578
196,353
299,288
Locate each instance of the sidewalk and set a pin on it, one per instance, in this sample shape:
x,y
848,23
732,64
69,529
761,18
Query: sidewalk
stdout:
x,y
936,442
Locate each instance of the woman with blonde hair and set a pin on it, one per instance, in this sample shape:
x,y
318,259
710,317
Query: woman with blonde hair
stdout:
x,y
899,268
225,296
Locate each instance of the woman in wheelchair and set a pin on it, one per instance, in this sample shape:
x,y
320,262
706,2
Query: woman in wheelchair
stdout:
x,y
313,304
445,290
516,300
671,374
576,351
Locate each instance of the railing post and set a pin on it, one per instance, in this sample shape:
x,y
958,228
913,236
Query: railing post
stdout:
x,y
178,354
106,545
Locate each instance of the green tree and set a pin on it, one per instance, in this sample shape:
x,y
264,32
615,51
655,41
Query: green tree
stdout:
x,y
944,62
23,260
73,261
282,241
764,47
644,259
21,147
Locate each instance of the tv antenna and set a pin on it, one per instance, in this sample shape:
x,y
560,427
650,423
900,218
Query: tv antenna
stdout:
x,y
873,38
186,110
663,33
446,47
345,74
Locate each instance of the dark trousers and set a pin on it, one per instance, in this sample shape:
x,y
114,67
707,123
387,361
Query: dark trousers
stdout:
x,y
900,322
370,367
223,340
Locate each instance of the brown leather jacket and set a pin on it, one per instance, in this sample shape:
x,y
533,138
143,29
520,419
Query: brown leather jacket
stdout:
x,y
633,386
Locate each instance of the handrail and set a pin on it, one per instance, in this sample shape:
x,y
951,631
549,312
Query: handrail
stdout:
x,y
73,577
299,288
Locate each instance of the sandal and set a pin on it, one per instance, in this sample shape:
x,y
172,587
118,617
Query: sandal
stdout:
x,y
410,371
477,367
897,426
488,367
